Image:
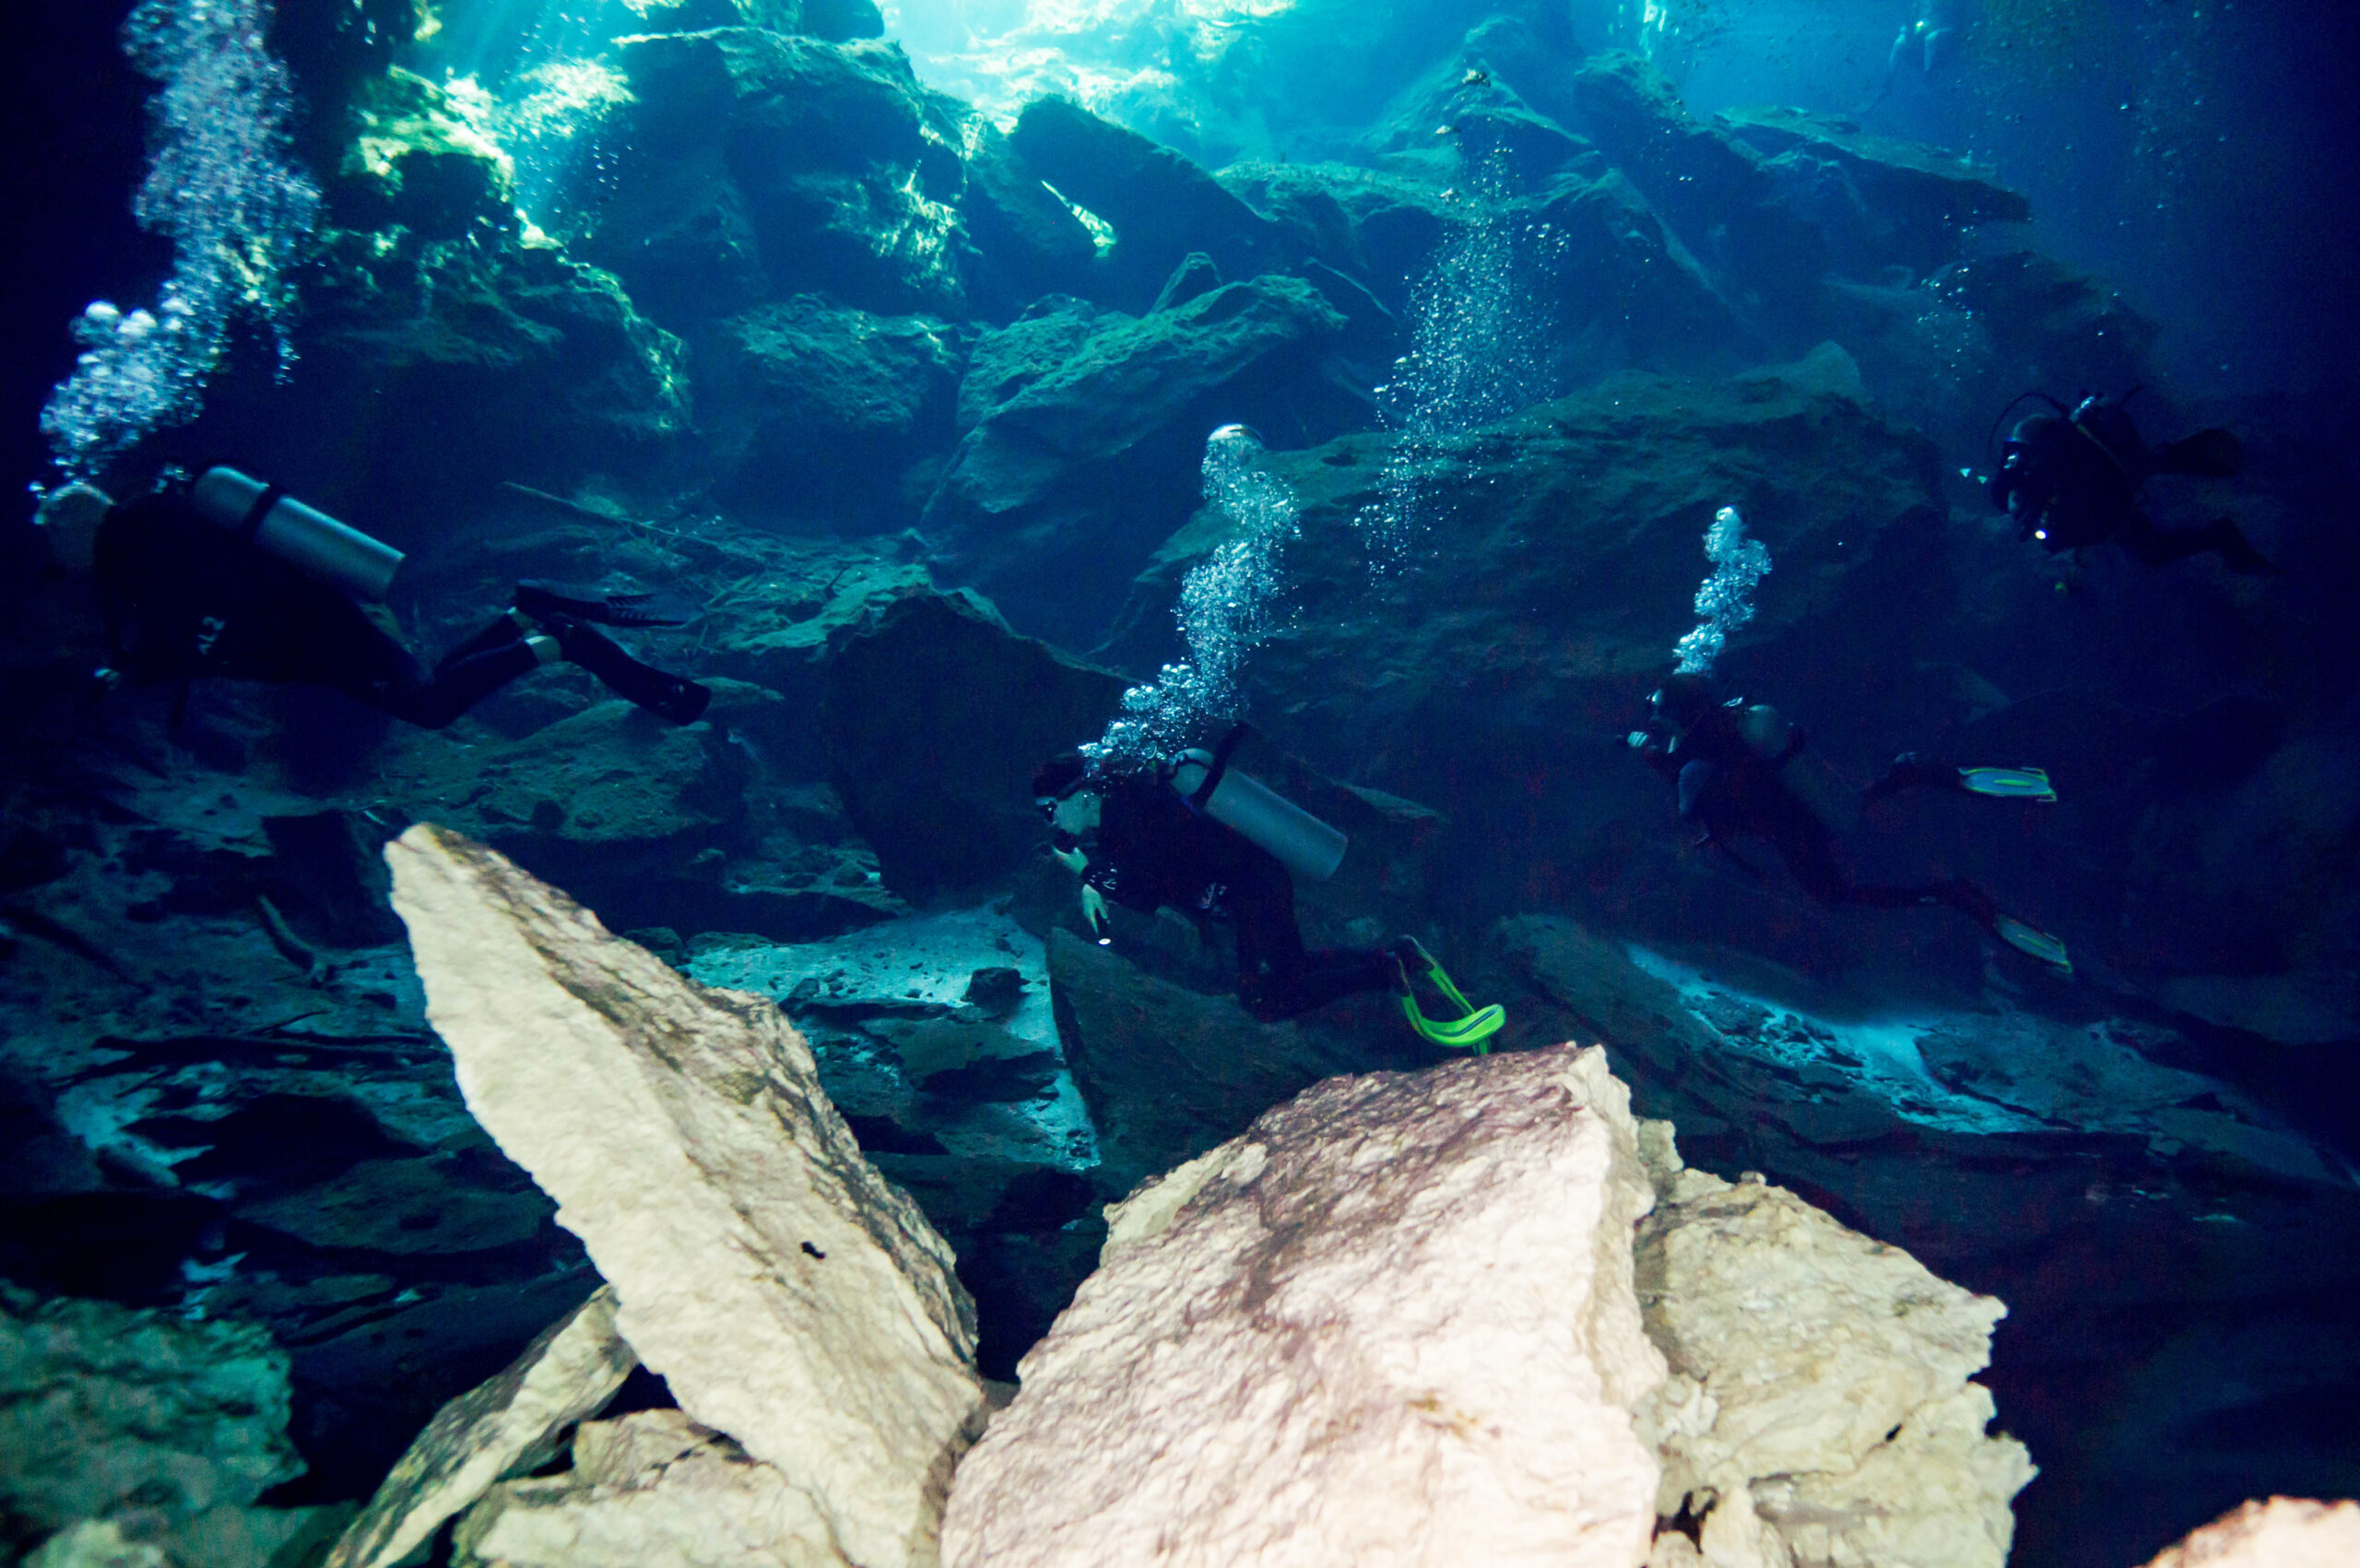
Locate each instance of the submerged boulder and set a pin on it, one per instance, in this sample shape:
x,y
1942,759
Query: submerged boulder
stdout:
x,y
105,1409
1818,1380
1160,204
936,714
774,165
1089,452
1392,1323
1404,1318
818,411
2285,1532
787,1292
510,1425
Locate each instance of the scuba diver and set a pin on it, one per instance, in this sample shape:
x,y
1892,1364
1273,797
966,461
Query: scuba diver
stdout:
x,y
1197,836
1731,764
2078,477
1926,43
224,576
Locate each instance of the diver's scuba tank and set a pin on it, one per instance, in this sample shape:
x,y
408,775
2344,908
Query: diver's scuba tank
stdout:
x,y
1303,843
307,539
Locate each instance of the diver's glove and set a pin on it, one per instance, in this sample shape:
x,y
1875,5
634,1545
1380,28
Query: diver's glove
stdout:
x,y
1094,913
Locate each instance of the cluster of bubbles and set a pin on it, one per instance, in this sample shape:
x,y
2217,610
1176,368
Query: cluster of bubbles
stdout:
x,y
1477,331
1724,599
222,187
1228,604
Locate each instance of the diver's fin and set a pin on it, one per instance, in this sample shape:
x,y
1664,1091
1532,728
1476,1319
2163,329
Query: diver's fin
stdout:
x,y
2033,943
1465,1033
2007,783
670,697
2215,454
538,598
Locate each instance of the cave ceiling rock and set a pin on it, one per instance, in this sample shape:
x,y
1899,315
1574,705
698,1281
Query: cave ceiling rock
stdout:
x,y
789,1295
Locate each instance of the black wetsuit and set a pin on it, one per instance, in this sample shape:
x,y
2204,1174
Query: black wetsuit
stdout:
x,y
1731,790
1153,850
2075,481
185,599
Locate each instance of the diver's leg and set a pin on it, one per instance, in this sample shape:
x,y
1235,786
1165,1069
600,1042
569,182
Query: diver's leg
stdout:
x,y
460,683
1807,849
1911,770
1271,955
669,696
502,630
2161,546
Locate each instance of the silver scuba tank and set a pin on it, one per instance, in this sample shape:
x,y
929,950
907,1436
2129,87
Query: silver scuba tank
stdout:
x,y
305,539
1303,844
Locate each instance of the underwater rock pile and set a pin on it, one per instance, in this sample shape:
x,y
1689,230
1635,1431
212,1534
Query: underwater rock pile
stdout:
x,y
784,1289
1360,1260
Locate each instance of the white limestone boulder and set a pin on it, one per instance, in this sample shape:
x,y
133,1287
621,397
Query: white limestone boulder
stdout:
x,y
1818,1410
2285,1532
1393,1323
653,1487
512,1424
790,1296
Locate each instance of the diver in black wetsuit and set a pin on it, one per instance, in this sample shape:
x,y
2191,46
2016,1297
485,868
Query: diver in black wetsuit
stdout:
x,y
2072,480
186,596
1139,842
1731,763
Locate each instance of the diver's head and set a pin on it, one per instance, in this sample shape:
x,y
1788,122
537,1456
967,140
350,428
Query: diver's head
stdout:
x,y
1062,789
2027,482
68,520
1683,698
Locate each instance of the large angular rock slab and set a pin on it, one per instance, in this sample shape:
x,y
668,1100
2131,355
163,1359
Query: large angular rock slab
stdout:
x,y
1819,1381
1878,200
789,1295
508,1424
1392,1323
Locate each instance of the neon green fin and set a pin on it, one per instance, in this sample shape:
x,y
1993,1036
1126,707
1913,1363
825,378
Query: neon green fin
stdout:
x,y
2033,943
2008,784
1466,1033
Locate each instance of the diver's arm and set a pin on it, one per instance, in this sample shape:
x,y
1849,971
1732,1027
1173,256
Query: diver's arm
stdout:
x,y
1093,902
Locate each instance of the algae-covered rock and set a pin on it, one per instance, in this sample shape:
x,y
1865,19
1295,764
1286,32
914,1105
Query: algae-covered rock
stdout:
x,y
1089,436
105,1407
820,409
778,165
936,715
